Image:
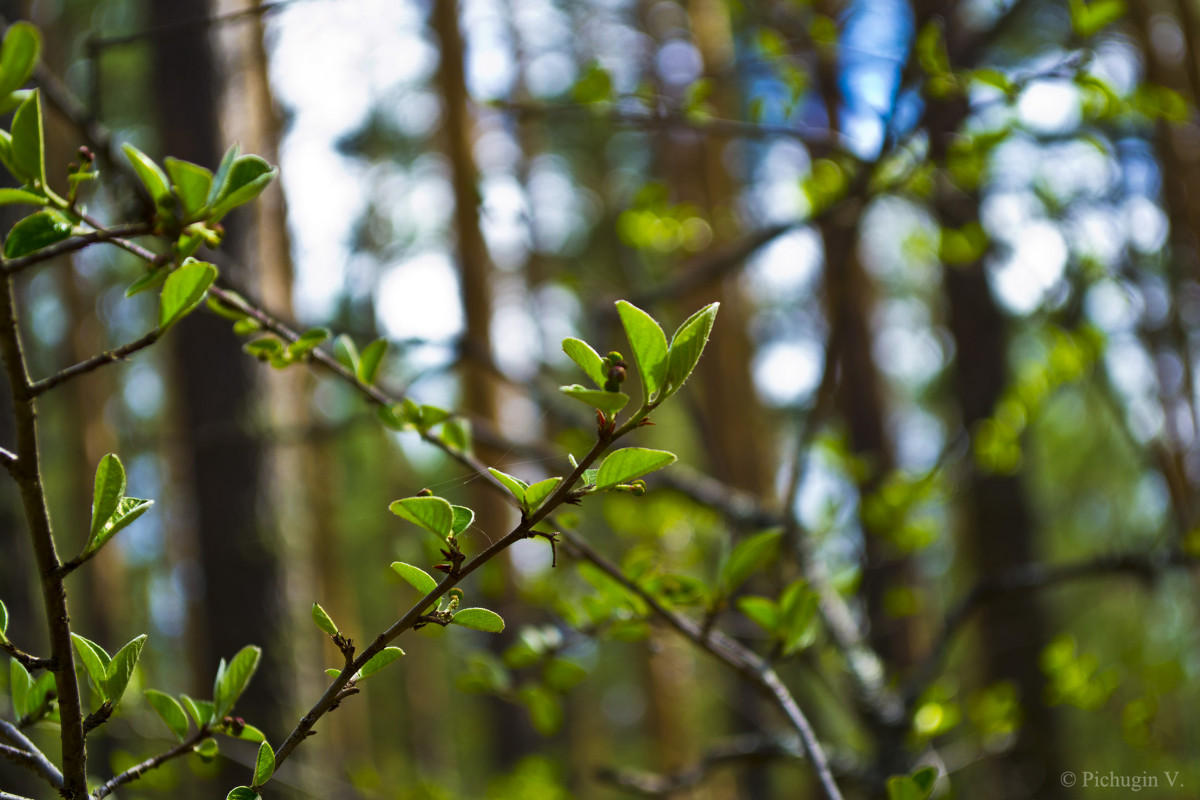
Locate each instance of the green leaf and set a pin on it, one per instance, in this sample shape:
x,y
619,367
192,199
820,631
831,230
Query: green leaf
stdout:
x,y
264,764
28,141
307,342
192,184
917,786
128,510
232,681
371,361
588,359
925,779
479,619
538,492
431,513
624,465
686,347
378,661
517,486
247,177
120,669
762,610
247,733
107,494
418,578
183,291
3,622
1088,19
18,56
201,710
457,433
545,711
649,345
36,232
207,750
169,710
150,173
323,620
11,197
562,675
347,353
750,555
149,280
238,792
20,682
95,662
608,402
221,178
463,517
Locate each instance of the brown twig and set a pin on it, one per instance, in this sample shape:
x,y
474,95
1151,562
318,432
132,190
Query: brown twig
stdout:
x,y
138,770
95,362
25,753
12,266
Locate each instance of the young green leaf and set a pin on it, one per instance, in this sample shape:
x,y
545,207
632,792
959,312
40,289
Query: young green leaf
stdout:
x,y
183,291
208,750
624,465
649,345
20,683
3,622
418,578
120,669
347,353
169,710
247,177
150,173
480,619
588,359
28,142
221,178
378,661
750,555
463,517
201,710
232,681
538,492
128,510
307,342
149,280
12,197
108,491
192,184
323,620
238,792
545,710
18,56
264,764
431,513
457,433
687,345
762,610
247,733
371,361
517,486
36,232
608,402
95,661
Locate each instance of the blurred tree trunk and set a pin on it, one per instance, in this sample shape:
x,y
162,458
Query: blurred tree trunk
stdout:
x,y
514,736
1001,529
223,459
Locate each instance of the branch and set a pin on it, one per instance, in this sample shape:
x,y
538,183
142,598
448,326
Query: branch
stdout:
x,y
11,266
738,749
27,474
26,754
30,662
818,140
95,362
729,652
138,770
1148,567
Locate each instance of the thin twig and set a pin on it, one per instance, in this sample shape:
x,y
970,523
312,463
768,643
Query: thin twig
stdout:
x,y
728,651
1033,577
751,749
30,662
95,362
138,770
12,266
31,757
